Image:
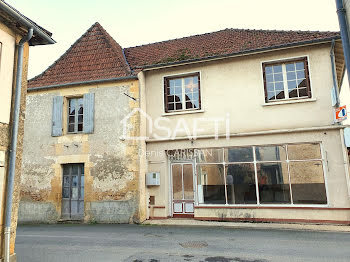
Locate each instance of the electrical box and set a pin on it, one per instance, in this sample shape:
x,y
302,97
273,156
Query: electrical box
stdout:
x,y
153,179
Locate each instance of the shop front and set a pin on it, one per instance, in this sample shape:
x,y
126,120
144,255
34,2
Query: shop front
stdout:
x,y
286,182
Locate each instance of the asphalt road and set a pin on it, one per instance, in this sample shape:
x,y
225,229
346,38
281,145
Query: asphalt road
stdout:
x,y
165,243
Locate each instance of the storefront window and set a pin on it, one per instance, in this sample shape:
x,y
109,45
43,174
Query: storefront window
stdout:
x,y
211,184
209,155
239,154
240,182
273,182
304,151
307,182
278,174
270,153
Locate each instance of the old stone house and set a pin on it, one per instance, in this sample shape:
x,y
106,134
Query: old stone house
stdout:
x,y
231,125
17,34
75,165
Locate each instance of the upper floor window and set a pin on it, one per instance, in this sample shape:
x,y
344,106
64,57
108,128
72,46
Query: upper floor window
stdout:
x,y
182,93
286,80
75,115
79,112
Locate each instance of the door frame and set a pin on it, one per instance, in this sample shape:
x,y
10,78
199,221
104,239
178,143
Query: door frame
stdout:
x,y
81,172
171,202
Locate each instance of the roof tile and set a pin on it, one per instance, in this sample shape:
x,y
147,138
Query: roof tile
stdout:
x,y
224,42
94,56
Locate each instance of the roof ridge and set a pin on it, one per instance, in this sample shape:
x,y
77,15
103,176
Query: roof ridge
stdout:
x,y
231,29
65,53
114,45
164,41
282,31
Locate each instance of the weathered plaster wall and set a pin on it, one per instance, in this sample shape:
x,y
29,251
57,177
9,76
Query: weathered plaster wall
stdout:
x,y
233,89
7,55
5,134
111,163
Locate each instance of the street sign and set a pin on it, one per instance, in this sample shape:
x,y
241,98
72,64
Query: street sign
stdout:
x,y
340,114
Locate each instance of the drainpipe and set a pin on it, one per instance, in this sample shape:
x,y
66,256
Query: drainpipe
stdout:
x,y
334,76
13,145
344,34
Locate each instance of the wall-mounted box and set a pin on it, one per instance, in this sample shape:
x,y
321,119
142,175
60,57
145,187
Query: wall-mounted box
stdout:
x,y
153,179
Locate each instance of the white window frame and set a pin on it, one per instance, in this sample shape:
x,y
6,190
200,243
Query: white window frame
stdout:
x,y
255,162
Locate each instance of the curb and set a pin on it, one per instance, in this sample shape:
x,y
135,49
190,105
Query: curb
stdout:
x,y
248,225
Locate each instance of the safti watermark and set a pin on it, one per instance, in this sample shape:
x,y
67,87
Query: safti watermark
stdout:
x,y
164,128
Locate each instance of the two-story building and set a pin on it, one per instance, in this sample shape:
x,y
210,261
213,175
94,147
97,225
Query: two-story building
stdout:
x,y
245,127
17,34
234,125
75,166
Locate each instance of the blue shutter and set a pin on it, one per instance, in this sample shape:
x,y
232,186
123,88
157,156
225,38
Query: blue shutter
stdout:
x,y
89,111
57,111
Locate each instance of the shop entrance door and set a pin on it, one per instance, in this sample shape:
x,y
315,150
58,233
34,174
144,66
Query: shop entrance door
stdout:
x,y
182,189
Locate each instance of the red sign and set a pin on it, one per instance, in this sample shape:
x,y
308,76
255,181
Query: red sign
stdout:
x,y
340,114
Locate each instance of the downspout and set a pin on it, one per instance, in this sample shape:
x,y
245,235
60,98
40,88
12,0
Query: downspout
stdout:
x,y
13,145
344,34
334,76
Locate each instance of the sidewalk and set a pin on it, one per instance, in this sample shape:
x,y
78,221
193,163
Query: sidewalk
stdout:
x,y
248,225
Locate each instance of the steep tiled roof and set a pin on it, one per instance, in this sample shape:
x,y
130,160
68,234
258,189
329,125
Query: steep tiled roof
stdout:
x,y
94,56
220,43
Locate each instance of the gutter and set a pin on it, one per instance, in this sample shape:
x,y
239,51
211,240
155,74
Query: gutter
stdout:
x,y
13,145
242,53
81,83
343,24
22,19
334,76
126,61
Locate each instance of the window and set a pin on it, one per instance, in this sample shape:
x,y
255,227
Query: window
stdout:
x,y
211,190
182,93
286,80
273,174
75,115
80,114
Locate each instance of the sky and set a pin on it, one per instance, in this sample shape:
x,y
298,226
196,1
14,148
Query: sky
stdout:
x,y
136,22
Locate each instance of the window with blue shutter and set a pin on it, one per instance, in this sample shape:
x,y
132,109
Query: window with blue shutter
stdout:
x,y
89,112
57,113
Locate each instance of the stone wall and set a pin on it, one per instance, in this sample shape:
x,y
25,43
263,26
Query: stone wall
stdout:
x,y
111,164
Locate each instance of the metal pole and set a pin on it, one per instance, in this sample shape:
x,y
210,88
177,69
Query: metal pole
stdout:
x,y
334,76
344,34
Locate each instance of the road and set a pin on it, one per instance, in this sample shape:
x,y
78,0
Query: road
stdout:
x,y
72,242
